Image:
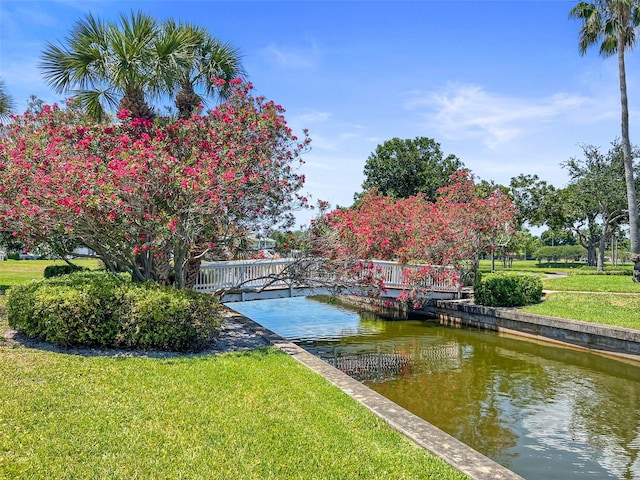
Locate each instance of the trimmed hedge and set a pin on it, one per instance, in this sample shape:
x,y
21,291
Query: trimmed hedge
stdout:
x,y
620,271
508,290
57,270
97,309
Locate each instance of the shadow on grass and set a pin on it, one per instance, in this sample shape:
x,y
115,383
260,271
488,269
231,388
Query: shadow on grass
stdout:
x,y
232,339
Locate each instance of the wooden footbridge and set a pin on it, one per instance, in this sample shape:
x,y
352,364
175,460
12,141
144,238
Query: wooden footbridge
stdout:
x,y
242,280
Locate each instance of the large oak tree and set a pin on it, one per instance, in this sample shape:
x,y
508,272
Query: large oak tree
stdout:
x,y
403,168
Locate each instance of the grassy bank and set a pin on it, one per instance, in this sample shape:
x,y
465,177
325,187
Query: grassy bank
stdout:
x,y
603,308
253,415
593,283
604,299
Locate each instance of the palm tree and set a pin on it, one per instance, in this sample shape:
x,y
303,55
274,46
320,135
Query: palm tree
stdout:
x,y
612,24
209,58
7,104
136,60
117,64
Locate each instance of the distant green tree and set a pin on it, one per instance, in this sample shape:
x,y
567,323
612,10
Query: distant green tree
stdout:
x,y
525,244
599,178
402,168
529,193
556,238
570,209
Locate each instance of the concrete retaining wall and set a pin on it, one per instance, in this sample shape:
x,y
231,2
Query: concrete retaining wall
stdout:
x,y
615,340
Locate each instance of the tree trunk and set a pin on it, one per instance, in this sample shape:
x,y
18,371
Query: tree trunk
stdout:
x,y
134,101
628,161
591,255
162,266
192,269
187,100
601,248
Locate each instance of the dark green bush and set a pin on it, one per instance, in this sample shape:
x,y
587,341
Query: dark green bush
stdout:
x,y
57,270
508,290
99,309
13,256
619,271
560,252
166,319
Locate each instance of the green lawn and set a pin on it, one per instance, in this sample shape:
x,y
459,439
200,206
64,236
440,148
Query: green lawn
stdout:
x,y
13,272
593,283
529,266
617,302
256,415
602,308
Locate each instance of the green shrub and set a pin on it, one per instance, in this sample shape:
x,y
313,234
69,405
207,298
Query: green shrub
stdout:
x,y
560,252
57,270
165,318
508,290
619,271
13,256
99,309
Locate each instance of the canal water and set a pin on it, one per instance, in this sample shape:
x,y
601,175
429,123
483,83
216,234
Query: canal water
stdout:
x,y
543,411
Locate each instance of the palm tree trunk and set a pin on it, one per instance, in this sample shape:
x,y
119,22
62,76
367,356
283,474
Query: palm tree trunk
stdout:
x,y
628,162
134,101
187,100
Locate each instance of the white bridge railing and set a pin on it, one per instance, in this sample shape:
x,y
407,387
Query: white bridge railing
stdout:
x,y
262,273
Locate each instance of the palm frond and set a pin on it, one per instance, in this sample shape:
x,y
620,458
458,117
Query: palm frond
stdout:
x,y
7,104
92,102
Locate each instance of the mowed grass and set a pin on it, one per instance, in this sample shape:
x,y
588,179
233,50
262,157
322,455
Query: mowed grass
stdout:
x,y
256,415
603,299
593,283
14,272
602,308
531,266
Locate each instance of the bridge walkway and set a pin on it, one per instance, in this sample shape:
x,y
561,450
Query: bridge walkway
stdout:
x,y
243,280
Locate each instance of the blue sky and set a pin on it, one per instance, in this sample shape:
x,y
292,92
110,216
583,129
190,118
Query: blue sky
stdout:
x,y
500,84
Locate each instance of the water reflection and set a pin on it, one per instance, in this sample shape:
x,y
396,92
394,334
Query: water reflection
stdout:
x,y
543,411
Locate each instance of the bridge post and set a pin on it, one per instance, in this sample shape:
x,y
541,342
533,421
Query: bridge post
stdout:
x,y
242,276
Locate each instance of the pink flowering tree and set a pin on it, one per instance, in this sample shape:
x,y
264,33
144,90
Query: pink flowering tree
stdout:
x,y
151,198
453,231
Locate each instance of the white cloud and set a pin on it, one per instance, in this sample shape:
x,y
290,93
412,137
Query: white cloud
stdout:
x,y
470,112
323,142
310,117
293,57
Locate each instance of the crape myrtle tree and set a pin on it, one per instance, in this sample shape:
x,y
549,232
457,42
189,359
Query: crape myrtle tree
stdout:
x,y
612,25
151,198
454,230
402,168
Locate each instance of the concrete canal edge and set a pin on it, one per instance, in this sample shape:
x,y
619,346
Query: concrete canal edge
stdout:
x,y
623,343
457,454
